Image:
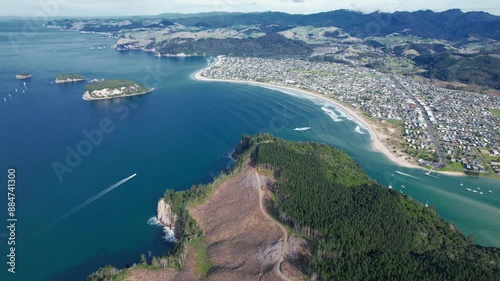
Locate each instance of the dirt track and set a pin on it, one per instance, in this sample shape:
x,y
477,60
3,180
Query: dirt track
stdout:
x,y
243,241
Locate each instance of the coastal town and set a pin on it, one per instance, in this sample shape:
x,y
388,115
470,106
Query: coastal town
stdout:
x,y
442,128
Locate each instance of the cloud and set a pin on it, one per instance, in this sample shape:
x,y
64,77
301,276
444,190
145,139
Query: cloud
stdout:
x,y
153,7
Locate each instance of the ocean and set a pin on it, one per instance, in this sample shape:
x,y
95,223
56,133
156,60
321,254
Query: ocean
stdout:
x,y
75,213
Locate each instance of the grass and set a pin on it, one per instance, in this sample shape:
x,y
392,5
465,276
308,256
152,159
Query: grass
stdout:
x,y
395,40
453,167
485,159
486,155
398,123
130,87
112,84
203,262
69,76
495,112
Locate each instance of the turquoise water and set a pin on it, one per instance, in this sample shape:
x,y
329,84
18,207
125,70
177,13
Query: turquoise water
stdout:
x,y
179,135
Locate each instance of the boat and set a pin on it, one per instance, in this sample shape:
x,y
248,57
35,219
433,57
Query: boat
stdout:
x,y
475,191
403,186
390,186
302,129
427,204
461,184
468,189
490,191
481,193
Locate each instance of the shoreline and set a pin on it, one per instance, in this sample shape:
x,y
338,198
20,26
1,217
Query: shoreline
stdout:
x,y
57,81
377,144
84,97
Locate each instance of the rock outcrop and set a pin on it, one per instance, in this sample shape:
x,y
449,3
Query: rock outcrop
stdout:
x,y
166,216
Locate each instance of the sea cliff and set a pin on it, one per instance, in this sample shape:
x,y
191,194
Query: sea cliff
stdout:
x,y
23,76
166,216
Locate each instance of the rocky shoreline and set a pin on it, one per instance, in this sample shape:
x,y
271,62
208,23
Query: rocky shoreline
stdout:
x,y
22,77
62,81
167,219
86,95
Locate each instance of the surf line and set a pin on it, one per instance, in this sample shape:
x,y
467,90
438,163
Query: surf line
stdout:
x,y
88,201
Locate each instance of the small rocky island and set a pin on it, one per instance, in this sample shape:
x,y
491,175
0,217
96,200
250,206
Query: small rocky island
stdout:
x,y
23,75
110,89
69,78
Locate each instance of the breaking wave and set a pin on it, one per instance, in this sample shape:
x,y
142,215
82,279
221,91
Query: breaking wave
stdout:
x,y
358,130
331,113
169,233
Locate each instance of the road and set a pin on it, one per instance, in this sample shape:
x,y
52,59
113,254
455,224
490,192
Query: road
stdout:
x,y
442,158
286,245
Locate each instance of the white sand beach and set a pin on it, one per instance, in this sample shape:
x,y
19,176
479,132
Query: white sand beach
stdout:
x,y
377,144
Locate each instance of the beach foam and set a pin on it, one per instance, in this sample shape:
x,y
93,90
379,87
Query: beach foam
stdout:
x,y
169,233
358,130
331,113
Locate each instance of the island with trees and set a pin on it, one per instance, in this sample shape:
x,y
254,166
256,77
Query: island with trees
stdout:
x,y
354,228
110,89
69,78
23,75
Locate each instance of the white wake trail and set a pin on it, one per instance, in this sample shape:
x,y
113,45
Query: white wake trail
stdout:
x,y
407,175
88,201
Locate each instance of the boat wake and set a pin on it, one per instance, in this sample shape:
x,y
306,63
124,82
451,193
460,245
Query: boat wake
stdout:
x,y
90,200
406,175
169,233
302,129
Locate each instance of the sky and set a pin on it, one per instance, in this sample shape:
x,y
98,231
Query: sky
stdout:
x,y
56,8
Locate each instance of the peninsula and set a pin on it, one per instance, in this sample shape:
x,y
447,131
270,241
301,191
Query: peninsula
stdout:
x,y
110,89
305,211
409,122
23,75
69,78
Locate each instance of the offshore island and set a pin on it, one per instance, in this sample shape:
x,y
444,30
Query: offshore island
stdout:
x,y
69,78
432,98
23,75
110,89
304,211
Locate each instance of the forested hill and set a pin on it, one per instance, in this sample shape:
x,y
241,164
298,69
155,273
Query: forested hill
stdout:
x,y
270,45
449,25
361,230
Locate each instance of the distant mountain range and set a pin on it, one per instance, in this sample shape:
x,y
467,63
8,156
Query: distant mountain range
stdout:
x,y
452,46
449,25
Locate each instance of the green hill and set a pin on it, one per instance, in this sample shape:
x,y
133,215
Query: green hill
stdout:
x,y
361,230
270,45
358,229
